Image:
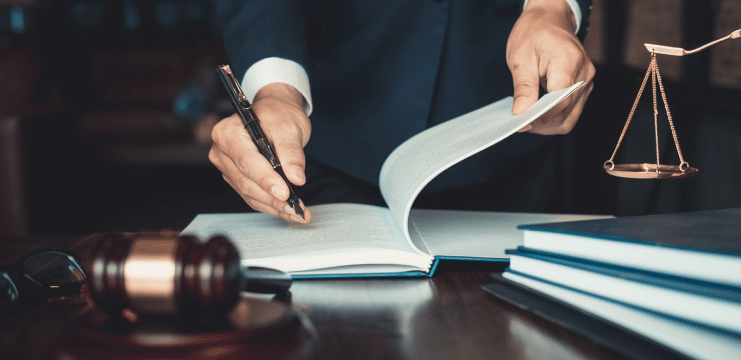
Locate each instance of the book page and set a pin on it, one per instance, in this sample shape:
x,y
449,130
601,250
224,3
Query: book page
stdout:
x,y
335,261
418,160
349,270
477,233
335,226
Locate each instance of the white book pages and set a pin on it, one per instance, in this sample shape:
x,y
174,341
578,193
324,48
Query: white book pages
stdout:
x,y
482,234
334,226
417,161
693,340
709,310
719,268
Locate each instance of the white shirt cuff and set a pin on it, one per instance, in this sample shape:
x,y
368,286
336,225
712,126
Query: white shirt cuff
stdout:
x,y
277,70
574,8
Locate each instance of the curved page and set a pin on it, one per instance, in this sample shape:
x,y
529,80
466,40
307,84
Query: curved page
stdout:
x,y
418,160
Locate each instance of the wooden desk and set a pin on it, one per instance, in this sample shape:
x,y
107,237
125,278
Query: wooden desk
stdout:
x,y
444,317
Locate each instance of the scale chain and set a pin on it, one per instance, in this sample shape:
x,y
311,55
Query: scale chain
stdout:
x,y
630,116
669,116
653,70
643,171
654,66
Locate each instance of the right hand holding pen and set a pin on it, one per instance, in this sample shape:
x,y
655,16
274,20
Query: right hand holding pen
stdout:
x,y
281,112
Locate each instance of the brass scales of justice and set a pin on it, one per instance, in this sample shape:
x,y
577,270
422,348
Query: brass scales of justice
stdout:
x,y
658,171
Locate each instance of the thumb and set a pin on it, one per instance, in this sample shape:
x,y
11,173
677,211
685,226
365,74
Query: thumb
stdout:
x,y
281,112
526,84
290,151
287,130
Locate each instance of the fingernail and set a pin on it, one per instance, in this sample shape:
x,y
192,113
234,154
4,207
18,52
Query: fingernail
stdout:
x,y
289,210
299,172
277,192
517,106
526,127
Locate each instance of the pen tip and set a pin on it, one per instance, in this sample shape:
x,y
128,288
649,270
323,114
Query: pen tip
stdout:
x,y
299,211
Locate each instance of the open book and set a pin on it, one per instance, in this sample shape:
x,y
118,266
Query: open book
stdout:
x,y
347,240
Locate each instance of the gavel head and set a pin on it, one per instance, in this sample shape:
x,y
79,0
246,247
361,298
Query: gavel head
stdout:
x,y
170,276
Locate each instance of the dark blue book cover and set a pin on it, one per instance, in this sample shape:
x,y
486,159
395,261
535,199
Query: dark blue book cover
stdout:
x,y
712,231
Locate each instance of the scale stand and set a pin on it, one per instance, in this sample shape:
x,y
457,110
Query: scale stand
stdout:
x,y
657,170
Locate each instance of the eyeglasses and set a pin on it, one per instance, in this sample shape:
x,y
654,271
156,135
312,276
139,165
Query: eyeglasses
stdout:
x,y
39,276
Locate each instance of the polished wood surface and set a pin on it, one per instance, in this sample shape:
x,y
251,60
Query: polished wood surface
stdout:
x,y
448,316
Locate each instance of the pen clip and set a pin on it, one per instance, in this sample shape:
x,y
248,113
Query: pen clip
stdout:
x,y
233,86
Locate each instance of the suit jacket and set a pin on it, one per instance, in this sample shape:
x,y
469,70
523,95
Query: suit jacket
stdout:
x,y
381,71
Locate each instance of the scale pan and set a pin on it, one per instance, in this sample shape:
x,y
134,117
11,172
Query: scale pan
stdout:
x,y
648,171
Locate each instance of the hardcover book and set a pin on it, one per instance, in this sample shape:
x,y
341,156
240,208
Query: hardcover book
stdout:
x,y
689,338
702,302
351,240
702,245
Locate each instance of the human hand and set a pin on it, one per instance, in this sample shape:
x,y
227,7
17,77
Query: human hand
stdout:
x,y
542,49
280,108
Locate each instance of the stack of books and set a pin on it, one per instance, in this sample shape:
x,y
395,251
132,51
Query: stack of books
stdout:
x,y
673,278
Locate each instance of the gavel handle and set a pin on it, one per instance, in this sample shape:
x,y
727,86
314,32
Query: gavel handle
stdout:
x,y
264,280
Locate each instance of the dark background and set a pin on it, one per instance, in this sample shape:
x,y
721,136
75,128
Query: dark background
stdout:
x,y
105,108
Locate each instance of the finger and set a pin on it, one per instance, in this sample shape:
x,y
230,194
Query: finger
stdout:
x,y
526,128
551,120
561,73
567,119
254,195
287,213
307,214
544,121
232,140
525,80
245,186
288,141
560,120
261,207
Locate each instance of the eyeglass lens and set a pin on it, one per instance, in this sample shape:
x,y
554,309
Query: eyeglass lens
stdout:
x,y
53,268
8,291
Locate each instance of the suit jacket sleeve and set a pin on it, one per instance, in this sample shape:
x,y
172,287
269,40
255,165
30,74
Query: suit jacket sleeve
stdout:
x,y
259,29
584,7
586,10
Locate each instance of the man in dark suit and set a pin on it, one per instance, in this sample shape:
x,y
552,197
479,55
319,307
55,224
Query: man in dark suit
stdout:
x,y
382,71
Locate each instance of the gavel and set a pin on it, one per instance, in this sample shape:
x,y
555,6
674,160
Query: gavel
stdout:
x,y
174,276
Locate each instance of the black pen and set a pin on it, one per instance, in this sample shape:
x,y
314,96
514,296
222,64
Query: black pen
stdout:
x,y
252,124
